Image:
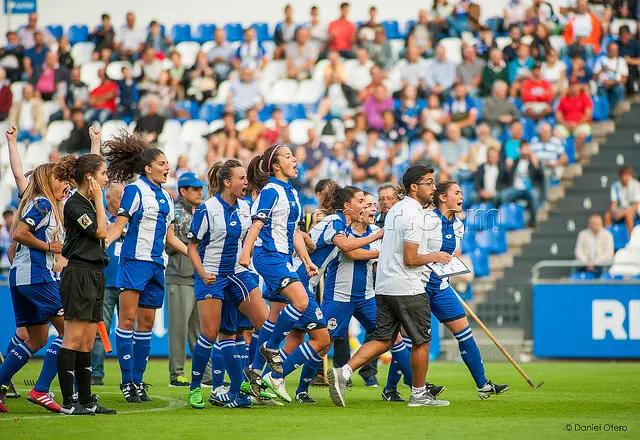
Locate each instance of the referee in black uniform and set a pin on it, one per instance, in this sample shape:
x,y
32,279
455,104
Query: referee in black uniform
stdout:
x,y
82,283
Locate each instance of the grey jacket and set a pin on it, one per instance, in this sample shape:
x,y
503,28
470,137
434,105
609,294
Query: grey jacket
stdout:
x,y
179,269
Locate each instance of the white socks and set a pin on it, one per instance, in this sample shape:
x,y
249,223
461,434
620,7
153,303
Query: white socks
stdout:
x,y
418,391
347,371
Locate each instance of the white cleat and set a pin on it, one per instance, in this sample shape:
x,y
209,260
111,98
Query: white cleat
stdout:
x,y
277,386
265,402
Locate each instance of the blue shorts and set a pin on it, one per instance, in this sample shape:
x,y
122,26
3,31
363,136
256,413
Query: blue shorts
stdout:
x,y
312,318
231,288
445,305
277,271
244,323
146,277
338,314
36,304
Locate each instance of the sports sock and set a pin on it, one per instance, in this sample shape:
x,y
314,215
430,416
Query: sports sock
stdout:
x,y
199,359
141,350
13,362
217,366
309,370
49,366
124,346
265,333
253,346
285,322
13,342
471,355
242,351
297,358
233,365
83,376
409,345
419,390
66,373
400,364
346,371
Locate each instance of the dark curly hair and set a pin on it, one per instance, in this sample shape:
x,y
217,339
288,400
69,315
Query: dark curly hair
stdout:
x,y
127,155
74,169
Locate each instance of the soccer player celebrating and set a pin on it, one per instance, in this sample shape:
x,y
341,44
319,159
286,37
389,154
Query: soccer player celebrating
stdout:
x,y
148,209
82,284
443,233
401,298
222,286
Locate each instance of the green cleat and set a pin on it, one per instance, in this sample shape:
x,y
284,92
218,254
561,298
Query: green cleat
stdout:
x,y
195,399
265,393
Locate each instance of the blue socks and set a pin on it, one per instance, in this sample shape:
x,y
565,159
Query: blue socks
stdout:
x,y
141,350
242,348
15,360
258,360
15,341
471,356
49,366
400,365
124,347
233,365
217,366
309,370
299,357
200,357
285,322
253,347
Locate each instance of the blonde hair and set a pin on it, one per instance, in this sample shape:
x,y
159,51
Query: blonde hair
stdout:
x,y
41,185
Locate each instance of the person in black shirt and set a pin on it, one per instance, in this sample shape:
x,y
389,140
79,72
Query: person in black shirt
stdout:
x,y
82,283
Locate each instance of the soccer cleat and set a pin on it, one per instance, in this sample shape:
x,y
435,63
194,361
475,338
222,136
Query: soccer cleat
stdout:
x,y
490,388
304,397
3,395
44,400
220,390
391,395
142,388
97,381
277,386
180,381
195,398
436,390
130,392
265,393
265,402
239,401
426,399
75,409
319,380
221,399
371,382
273,358
337,386
254,379
97,409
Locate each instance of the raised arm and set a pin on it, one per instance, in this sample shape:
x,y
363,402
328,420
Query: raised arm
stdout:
x,y
15,161
94,134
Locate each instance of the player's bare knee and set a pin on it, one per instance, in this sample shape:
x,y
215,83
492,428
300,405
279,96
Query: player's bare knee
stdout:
x,y
300,303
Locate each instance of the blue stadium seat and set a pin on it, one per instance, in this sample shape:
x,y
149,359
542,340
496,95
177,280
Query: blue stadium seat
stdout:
x,y
55,30
570,149
210,112
467,192
180,33
479,104
265,113
468,244
600,108
204,32
481,216
529,129
234,32
291,112
262,31
188,106
467,295
77,33
408,25
511,216
480,261
518,103
620,235
582,276
493,241
608,277
392,29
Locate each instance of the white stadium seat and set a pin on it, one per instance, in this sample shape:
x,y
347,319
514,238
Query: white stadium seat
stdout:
x,y
111,128
397,46
194,130
299,131
269,47
37,154
4,153
89,73
222,92
318,71
634,241
453,48
16,90
357,82
502,42
57,132
310,92
188,51
114,69
206,46
170,132
273,71
557,42
81,52
50,107
283,91
527,39
619,22
626,262
242,124
216,125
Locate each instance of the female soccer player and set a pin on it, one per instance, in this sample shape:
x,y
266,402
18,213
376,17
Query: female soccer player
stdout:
x,y
148,208
443,233
222,286
82,283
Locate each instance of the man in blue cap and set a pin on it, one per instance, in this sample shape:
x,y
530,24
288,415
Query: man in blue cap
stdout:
x,y
182,311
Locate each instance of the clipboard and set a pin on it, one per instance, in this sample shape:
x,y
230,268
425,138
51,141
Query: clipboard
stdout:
x,y
455,267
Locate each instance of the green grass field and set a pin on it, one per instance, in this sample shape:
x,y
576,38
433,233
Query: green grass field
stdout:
x,y
574,393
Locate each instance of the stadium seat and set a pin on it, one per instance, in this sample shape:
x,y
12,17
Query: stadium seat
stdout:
x,y
114,69
188,51
170,132
357,82
310,92
204,32
291,112
570,149
55,30
614,28
57,132
37,153
481,216
242,124
210,111
111,128
453,47
529,129
493,241
77,33
194,130
81,52
299,131
626,262
206,46
467,192
89,73
609,277
620,235
600,108
502,42
511,216
216,125
283,91
557,42
468,244
634,241
189,106
480,261
181,32
4,154
262,31
222,92
16,90
269,48
407,26
265,112
397,46
50,107
582,276
392,29
272,72
318,71
234,32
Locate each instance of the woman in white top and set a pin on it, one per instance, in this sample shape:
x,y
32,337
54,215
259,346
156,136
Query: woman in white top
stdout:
x,y
555,71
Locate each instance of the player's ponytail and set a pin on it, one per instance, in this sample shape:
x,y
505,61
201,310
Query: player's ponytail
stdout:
x,y
219,172
334,197
261,167
128,154
75,169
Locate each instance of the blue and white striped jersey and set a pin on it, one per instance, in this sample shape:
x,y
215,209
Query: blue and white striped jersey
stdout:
x,y
440,235
279,208
149,208
31,266
219,228
322,235
349,280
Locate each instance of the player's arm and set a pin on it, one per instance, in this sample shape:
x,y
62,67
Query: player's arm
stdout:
x,y
192,253
348,244
308,242
411,256
175,242
59,263
115,230
249,241
303,254
14,160
23,235
94,134
362,254
11,251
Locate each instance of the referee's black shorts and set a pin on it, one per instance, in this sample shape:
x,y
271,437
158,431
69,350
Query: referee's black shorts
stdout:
x,y
82,289
412,312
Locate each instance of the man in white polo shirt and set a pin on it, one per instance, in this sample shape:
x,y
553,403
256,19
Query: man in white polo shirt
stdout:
x,y
401,299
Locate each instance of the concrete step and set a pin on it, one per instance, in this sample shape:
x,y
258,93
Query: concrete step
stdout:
x,y
519,238
500,262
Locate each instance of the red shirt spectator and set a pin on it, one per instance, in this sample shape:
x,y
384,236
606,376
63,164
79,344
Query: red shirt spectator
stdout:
x,y
104,96
6,97
573,108
342,32
536,90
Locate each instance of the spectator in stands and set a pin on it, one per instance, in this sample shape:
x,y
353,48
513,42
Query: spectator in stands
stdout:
x,y
489,180
250,53
103,35
583,29
510,52
412,71
419,35
629,48
317,153
148,67
6,96
129,95
151,123
11,56
461,110
537,95
64,54
8,216
177,70
284,34
540,46
200,79
370,159
49,77
555,71
340,165
469,72
317,30
520,67
625,199
433,117
497,110
301,56
250,135
380,50
574,114
511,147
514,14
102,99
460,20
545,13
36,54
79,139
358,76
27,34
611,73
244,93
377,79
525,177
338,98
342,33
484,43
479,149
225,141
426,150
392,133
594,246
375,105
578,68
129,41
387,197
76,96
366,32
495,70
549,150
28,116
408,114
441,74
157,40
454,152
221,55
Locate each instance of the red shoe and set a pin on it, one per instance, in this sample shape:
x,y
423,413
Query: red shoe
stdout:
x,y
3,395
44,400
